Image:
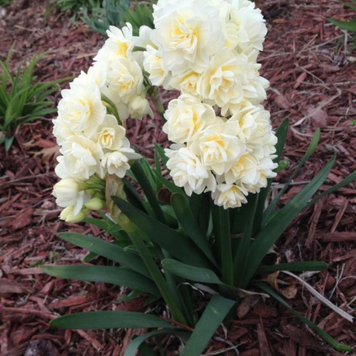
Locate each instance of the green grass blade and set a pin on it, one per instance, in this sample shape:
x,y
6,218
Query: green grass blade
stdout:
x,y
109,320
335,344
107,250
104,274
213,316
27,76
8,143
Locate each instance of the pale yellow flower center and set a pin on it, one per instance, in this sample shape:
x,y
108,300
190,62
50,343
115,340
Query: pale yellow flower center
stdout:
x,y
106,137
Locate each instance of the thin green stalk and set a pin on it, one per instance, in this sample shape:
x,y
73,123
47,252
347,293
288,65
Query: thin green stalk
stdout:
x,y
221,221
156,98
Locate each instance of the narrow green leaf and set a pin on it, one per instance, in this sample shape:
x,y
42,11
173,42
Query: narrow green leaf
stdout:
x,y
282,137
351,6
344,25
104,274
313,143
8,143
195,274
293,267
167,294
221,222
101,224
335,344
349,179
134,345
148,189
213,316
109,320
191,227
274,228
161,153
170,186
107,250
170,240
241,258
133,196
175,285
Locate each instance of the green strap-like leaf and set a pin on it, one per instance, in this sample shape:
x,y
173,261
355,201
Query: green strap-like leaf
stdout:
x,y
149,189
338,346
282,137
104,274
241,258
133,196
109,320
349,179
167,294
344,25
108,250
160,151
134,345
313,143
274,228
293,267
195,274
221,222
191,227
170,240
169,185
213,316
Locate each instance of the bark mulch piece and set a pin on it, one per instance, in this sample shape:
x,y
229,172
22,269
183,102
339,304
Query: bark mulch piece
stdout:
x,y
312,83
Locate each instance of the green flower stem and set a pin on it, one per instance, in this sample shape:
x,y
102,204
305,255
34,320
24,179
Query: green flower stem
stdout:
x,y
112,107
156,98
221,222
168,296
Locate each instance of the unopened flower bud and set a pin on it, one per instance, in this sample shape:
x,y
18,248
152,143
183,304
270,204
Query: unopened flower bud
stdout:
x,y
68,215
115,186
94,204
66,191
140,107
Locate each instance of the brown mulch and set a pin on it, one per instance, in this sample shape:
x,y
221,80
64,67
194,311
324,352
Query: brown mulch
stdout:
x,y
312,83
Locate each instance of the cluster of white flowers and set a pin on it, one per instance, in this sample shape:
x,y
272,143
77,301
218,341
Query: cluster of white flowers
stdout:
x,y
222,137
89,126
